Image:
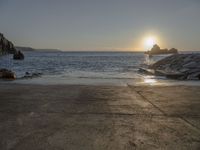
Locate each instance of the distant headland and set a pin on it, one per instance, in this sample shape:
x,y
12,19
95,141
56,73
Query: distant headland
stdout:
x,y
30,49
7,47
156,50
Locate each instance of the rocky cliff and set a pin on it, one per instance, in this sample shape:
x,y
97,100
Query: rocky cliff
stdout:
x,y
6,47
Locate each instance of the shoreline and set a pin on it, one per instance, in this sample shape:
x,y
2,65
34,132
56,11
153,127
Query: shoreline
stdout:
x,y
142,81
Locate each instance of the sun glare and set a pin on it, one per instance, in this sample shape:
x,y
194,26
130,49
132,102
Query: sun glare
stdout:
x,y
149,42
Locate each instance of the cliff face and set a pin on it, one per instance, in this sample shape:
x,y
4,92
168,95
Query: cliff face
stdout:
x,y
6,47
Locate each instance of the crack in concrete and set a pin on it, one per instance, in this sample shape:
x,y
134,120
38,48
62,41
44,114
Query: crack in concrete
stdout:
x,y
163,112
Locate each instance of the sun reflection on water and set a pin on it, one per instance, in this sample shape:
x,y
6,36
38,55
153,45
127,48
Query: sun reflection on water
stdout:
x,y
150,81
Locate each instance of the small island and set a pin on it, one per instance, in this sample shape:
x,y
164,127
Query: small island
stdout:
x,y
156,50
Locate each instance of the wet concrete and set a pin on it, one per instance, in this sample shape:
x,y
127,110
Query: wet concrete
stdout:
x,y
58,117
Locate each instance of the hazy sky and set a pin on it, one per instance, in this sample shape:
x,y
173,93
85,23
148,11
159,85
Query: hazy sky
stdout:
x,y
101,24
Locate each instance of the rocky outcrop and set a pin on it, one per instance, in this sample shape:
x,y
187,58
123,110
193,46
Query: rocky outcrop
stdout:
x,y
156,51
6,47
179,66
18,55
7,74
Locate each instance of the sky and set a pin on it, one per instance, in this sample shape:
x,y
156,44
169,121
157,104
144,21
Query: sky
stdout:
x,y
110,25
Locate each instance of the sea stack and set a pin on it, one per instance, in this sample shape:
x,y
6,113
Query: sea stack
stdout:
x,y
18,55
156,50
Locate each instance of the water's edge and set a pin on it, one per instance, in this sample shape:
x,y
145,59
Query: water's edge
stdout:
x,y
86,68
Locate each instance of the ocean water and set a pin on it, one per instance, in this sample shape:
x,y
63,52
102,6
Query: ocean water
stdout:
x,y
82,67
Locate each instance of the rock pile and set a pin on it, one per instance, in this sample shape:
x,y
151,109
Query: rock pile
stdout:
x,y
185,66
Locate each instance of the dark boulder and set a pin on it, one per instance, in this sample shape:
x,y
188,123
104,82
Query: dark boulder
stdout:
x,y
7,74
18,55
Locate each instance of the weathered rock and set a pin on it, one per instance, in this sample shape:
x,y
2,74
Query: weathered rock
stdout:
x,y
175,76
6,47
7,74
18,55
190,65
159,73
146,71
179,66
168,74
194,76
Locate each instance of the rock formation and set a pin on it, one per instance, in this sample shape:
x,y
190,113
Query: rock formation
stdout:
x,y
6,47
156,50
18,55
7,74
179,66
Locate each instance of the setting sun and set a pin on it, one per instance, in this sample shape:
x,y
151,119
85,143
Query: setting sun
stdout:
x,y
149,42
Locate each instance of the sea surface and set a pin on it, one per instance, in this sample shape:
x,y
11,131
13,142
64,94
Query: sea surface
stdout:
x,y
113,68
